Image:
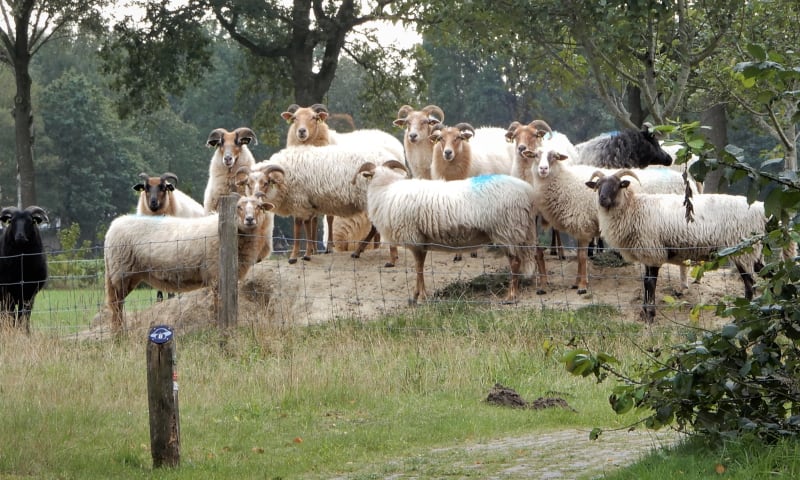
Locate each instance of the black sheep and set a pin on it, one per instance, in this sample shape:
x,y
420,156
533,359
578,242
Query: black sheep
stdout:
x,y
624,149
23,264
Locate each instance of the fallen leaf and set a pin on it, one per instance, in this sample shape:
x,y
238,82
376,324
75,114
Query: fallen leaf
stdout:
x,y
258,450
720,468
297,440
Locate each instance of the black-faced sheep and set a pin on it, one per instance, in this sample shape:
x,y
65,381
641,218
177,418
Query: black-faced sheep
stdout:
x,y
623,149
23,263
561,196
424,215
418,127
230,153
652,229
160,196
177,254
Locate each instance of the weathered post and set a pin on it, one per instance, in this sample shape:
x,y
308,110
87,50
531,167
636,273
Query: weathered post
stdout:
x,y
162,396
228,304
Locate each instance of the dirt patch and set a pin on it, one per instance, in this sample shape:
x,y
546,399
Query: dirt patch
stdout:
x,y
334,286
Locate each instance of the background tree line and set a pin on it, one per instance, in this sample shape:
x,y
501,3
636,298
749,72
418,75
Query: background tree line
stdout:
x,y
111,98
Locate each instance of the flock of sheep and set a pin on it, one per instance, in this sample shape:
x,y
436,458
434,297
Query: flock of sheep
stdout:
x,y
449,188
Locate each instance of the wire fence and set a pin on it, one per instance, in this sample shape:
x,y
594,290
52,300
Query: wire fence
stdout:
x,y
335,286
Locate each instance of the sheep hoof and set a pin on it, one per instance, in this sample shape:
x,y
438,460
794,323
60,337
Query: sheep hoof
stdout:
x,y
355,255
474,254
457,258
581,291
306,258
647,315
292,261
388,265
540,292
412,302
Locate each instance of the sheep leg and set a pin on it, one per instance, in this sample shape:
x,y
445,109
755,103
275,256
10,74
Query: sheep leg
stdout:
x,y
362,245
556,246
311,236
747,279
116,301
582,280
649,283
515,265
329,240
540,267
296,229
419,265
393,256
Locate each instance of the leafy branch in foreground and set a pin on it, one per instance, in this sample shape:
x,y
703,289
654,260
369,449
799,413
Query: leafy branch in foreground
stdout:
x,y
745,377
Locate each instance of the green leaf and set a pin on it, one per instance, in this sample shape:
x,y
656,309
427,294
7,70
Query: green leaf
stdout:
x,y
757,52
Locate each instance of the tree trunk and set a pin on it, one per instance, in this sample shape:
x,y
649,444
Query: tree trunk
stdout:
x,y
633,97
23,128
790,151
716,118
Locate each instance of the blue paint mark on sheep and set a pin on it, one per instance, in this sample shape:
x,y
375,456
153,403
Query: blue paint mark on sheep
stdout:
x,y
477,183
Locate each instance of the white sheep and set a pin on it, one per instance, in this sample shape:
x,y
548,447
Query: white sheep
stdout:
x,y
308,127
177,254
160,196
425,215
418,126
230,153
304,182
565,203
652,228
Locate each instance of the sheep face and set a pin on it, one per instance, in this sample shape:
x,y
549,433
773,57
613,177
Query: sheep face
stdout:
x,y
306,122
22,225
418,123
155,190
527,138
229,145
608,188
249,212
546,160
451,142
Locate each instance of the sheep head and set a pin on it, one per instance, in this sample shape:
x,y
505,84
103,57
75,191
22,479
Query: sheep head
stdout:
x,y
307,125
547,159
21,224
608,187
229,144
249,211
527,137
451,141
418,123
154,190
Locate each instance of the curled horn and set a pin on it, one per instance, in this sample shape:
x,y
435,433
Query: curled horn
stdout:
x,y
365,167
319,107
7,213
541,125
428,110
38,214
511,130
241,175
402,114
145,177
246,135
215,137
273,168
621,173
461,127
170,178
597,174
292,108
394,164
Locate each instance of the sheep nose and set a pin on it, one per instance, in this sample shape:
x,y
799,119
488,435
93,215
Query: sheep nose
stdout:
x,y
228,159
154,205
521,148
412,137
448,154
302,133
543,171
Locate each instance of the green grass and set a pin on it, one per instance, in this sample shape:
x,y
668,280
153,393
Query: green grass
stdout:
x,y
347,399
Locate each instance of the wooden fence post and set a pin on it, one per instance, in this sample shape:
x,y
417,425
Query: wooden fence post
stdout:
x,y
228,304
162,396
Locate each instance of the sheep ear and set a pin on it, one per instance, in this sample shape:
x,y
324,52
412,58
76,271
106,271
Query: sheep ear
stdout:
x,y
215,137
5,215
434,137
288,116
139,187
561,156
170,187
38,214
624,184
466,134
322,116
400,122
592,184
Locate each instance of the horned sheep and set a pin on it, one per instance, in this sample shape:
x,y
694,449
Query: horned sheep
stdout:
x,y
230,153
425,215
23,263
177,254
160,196
293,182
652,228
623,149
418,126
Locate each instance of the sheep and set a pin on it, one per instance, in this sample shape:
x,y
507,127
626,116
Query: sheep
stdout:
x,y
417,125
178,254
159,196
23,263
425,215
623,149
230,153
308,127
304,182
652,228
526,138
565,204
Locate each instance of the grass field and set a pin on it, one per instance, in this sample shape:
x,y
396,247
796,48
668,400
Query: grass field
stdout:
x,y
346,400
